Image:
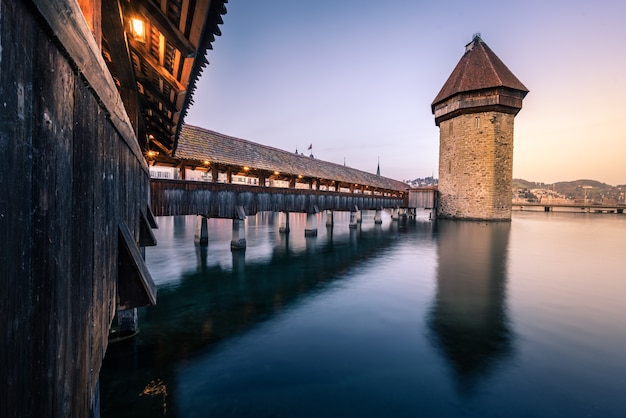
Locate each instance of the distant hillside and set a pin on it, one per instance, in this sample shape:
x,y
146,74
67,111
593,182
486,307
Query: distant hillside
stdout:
x,y
577,189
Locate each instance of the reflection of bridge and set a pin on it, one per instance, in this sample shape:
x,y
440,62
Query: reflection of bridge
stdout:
x,y
569,207
221,304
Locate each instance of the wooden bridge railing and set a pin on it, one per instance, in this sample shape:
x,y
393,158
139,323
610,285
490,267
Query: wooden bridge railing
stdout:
x,y
221,200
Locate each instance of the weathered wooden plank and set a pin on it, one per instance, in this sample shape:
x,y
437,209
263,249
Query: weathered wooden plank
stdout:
x,y
220,200
16,279
69,27
51,238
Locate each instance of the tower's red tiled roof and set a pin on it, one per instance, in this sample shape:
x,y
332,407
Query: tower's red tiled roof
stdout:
x,y
479,68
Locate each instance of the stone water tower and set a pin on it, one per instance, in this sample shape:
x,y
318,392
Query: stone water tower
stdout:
x,y
474,112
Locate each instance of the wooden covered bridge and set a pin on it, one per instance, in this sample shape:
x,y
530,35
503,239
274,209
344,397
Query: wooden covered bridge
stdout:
x,y
219,176
215,174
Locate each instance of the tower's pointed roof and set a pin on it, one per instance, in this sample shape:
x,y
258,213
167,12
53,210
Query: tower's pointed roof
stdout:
x,y
478,69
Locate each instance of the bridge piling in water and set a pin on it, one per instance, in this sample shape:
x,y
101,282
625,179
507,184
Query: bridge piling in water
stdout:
x,y
311,225
283,227
378,220
238,241
202,231
330,221
353,221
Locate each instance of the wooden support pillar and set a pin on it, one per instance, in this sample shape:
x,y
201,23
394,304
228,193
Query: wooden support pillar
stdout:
x,y
238,241
378,217
353,223
283,223
403,219
127,322
182,171
330,221
202,231
262,177
215,172
292,182
394,214
229,175
311,225
359,216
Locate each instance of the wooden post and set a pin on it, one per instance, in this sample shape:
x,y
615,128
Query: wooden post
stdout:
x,y
353,222
311,225
330,221
378,217
202,231
283,227
238,241
262,177
215,172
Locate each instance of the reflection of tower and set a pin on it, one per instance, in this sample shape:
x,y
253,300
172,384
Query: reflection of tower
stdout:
x,y
469,315
474,111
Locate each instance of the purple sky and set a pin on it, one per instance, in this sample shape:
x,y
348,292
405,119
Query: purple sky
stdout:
x,y
356,80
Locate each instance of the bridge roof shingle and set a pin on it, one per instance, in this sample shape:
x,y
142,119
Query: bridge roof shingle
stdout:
x,y
201,144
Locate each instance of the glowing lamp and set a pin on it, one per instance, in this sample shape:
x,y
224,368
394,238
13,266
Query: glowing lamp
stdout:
x,y
138,29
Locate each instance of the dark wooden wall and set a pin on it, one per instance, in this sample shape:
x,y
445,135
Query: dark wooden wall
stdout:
x,y
68,179
180,197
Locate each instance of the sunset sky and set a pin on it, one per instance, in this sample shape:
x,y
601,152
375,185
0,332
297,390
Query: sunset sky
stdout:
x,y
356,80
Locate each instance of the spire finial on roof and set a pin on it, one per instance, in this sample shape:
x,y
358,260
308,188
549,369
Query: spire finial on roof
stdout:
x,y
475,38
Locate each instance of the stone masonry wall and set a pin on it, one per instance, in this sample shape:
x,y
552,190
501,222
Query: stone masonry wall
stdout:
x,y
476,166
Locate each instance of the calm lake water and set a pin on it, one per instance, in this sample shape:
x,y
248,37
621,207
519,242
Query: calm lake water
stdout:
x,y
435,319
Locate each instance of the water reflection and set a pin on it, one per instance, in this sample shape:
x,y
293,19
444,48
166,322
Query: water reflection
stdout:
x,y
209,304
469,317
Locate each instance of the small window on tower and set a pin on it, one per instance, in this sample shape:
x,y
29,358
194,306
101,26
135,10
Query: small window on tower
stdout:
x,y
451,128
477,122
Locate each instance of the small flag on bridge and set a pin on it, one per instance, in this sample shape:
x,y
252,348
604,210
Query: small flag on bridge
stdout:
x,y
310,147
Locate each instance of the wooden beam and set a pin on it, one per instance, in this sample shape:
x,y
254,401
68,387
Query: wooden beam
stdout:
x,y
147,86
160,70
163,24
70,29
135,285
113,29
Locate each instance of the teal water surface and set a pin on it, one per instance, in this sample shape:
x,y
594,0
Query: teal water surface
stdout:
x,y
427,319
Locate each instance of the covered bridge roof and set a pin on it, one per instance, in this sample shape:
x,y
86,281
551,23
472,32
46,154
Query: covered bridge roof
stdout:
x,y
201,145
